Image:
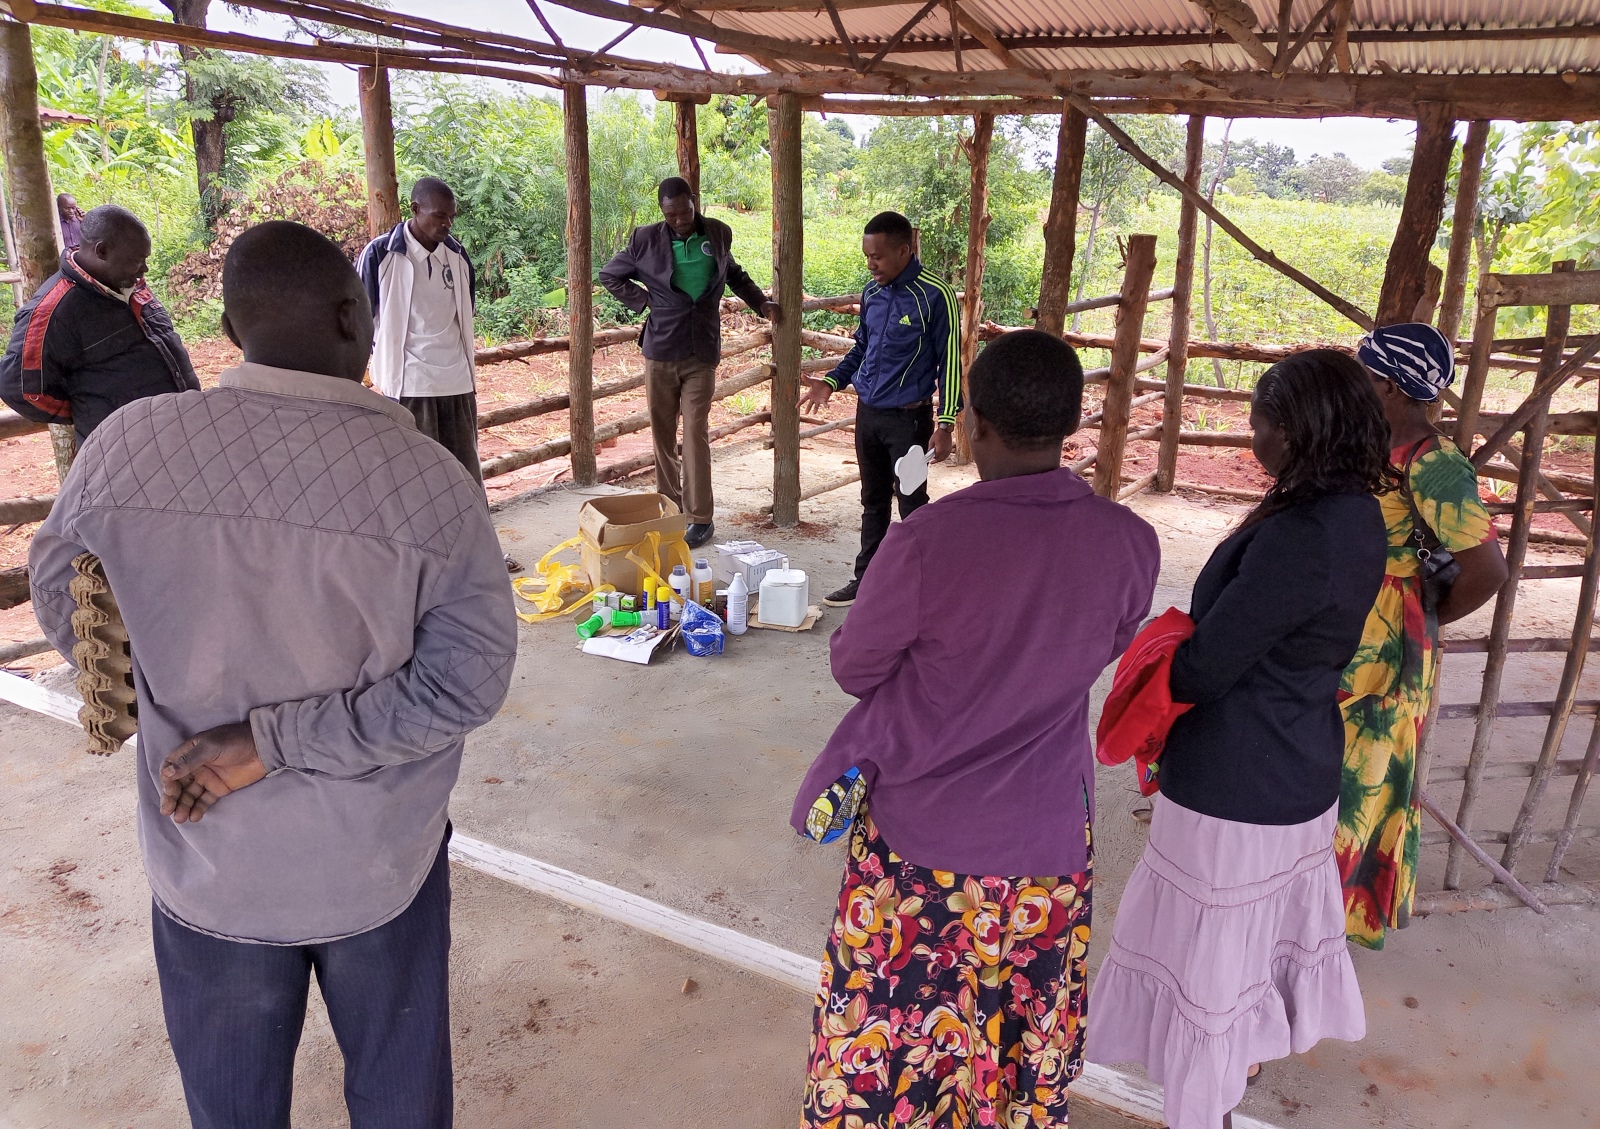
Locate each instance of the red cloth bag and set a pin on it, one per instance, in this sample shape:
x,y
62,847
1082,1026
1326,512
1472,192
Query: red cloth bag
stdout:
x,y
1140,711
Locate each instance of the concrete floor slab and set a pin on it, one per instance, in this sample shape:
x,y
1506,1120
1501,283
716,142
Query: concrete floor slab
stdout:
x,y
674,781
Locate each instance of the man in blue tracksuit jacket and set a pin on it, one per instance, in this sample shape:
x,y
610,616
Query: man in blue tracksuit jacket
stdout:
x,y
907,357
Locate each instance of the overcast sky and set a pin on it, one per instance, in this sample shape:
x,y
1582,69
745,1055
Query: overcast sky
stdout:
x,y
1366,141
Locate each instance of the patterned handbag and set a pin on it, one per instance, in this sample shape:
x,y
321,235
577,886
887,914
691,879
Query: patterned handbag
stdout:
x,y
836,809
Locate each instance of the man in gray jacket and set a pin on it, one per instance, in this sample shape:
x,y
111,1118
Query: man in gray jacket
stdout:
x,y
318,614
678,270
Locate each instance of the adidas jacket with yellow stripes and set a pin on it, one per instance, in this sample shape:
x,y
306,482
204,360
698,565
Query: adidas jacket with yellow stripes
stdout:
x,y
908,346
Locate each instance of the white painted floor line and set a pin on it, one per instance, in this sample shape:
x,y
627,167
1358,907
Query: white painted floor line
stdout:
x,y
1116,1090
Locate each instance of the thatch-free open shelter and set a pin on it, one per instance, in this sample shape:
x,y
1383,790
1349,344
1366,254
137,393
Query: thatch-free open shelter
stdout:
x,y
1437,62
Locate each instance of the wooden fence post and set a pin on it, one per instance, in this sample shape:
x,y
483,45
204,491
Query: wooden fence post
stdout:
x,y
972,276
1405,276
1061,225
1136,275
688,135
1463,223
377,144
580,285
788,249
1182,289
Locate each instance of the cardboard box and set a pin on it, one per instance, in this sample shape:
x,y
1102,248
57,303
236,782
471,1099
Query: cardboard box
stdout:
x,y
619,521
727,558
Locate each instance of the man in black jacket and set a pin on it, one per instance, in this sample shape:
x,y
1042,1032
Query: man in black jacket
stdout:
x,y
678,269
94,338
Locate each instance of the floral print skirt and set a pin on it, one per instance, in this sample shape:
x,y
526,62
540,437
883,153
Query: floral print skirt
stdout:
x,y
947,1000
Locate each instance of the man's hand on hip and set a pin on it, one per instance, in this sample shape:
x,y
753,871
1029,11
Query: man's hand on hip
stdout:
x,y
207,767
942,443
816,393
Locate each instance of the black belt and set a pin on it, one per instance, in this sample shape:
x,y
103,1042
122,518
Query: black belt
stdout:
x,y
918,406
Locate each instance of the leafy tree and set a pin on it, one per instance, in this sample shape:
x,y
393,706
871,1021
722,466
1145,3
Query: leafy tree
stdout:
x,y
1113,182
1331,180
735,168
1380,187
1271,167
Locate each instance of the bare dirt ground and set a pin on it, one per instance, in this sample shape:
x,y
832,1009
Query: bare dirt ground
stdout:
x,y
674,782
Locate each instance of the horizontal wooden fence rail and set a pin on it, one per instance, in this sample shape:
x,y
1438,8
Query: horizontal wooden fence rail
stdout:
x,y
13,425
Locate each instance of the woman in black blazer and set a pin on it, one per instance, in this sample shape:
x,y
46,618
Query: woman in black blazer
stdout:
x,y
1229,944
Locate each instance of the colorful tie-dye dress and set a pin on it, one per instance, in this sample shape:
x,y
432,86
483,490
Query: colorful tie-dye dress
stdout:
x,y
1387,690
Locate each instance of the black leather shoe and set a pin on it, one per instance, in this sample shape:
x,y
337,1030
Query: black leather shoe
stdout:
x,y
844,597
699,533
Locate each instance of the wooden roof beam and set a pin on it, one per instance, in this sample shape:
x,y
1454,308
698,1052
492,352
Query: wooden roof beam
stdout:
x,y
1236,18
1287,57
844,36
984,36
694,26
1192,195
894,40
160,31
759,6
1160,40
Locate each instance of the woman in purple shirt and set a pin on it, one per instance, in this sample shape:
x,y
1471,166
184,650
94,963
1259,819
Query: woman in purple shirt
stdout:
x,y
953,990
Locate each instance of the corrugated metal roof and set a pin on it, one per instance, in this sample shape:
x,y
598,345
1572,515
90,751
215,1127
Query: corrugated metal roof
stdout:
x,y
871,27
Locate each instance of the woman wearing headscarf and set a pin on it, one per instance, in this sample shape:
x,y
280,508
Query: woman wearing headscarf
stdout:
x,y
1388,688
1229,945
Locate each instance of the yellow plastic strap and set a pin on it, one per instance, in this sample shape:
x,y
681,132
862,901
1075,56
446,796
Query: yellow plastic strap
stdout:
x,y
547,590
554,582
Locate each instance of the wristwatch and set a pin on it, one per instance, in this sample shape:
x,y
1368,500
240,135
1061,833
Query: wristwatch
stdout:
x,y
943,426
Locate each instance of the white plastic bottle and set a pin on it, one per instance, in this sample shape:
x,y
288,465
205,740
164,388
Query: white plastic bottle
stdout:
x,y
705,584
738,605
682,586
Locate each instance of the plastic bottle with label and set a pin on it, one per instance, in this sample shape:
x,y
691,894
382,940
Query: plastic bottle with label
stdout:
x,y
682,590
738,606
705,583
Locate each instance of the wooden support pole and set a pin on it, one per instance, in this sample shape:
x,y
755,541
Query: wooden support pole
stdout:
x,y
580,285
788,249
27,175
977,236
1471,402
18,295
1061,225
1405,276
1558,321
1182,289
1136,275
687,133
377,143
33,206
1462,225
1556,325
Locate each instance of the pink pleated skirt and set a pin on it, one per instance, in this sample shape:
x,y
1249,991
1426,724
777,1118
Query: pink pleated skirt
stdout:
x,y
1228,950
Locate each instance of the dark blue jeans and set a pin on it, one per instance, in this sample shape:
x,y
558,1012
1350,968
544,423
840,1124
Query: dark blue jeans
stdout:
x,y
234,1013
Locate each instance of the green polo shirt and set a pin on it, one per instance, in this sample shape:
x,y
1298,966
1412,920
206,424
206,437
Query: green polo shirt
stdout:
x,y
692,264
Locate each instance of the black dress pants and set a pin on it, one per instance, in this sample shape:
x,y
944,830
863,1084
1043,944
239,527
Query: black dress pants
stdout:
x,y
883,435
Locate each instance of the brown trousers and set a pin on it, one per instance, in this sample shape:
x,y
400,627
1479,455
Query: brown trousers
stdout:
x,y
684,388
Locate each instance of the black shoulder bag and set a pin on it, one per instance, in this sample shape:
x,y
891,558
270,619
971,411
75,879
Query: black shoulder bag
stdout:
x,y
1435,564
